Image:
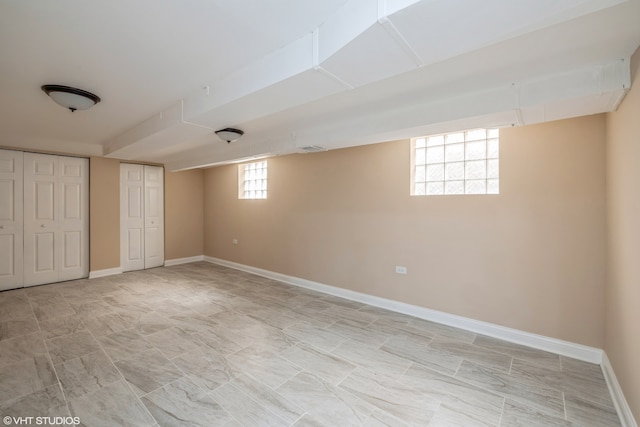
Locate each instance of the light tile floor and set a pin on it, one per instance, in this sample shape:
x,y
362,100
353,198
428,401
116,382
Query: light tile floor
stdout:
x,y
204,345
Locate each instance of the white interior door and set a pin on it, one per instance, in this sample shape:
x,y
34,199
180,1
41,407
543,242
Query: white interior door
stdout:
x,y
141,216
131,217
154,216
72,218
39,219
11,219
56,227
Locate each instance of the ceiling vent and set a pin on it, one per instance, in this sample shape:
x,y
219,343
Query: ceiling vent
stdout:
x,y
312,149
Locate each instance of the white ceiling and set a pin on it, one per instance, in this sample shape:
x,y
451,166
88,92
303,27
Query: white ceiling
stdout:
x,y
295,73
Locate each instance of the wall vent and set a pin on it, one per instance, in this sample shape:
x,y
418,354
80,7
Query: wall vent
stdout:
x,y
312,148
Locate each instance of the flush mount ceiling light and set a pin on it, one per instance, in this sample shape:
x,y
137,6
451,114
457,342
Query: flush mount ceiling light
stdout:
x,y
229,134
71,97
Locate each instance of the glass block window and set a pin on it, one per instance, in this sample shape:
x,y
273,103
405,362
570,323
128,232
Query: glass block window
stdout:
x,y
463,162
252,180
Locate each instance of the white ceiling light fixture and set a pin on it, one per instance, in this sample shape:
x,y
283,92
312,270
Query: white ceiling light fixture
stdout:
x,y
71,97
229,134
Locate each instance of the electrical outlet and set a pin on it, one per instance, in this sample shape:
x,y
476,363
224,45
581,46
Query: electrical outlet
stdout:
x,y
401,269
234,241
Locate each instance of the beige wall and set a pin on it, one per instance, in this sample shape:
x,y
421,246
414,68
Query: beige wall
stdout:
x,y
623,220
104,213
183,214
531,258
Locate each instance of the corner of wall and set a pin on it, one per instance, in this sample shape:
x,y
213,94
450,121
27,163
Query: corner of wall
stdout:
x,y
619,401
622,293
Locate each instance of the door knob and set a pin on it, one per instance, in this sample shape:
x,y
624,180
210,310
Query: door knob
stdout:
x,y
42,226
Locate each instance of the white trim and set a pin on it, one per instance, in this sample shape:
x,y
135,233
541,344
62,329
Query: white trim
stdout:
x,y
619,401
106,272
178,261
540,342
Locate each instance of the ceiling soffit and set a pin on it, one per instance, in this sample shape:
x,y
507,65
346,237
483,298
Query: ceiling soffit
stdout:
x,y
367,44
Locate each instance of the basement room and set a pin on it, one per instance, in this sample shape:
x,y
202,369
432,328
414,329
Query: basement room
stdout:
x,y
320,213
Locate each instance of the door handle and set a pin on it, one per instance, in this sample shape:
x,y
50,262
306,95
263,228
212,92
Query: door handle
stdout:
x,y
42,226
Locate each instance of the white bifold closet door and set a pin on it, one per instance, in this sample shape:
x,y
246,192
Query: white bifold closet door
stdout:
x,y
153,216
141,216
11,219
44,225
56,226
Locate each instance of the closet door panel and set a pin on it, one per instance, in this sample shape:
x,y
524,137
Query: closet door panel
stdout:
x,y
44,227
44,248
72,256
141,217
39,219
56,229
10,277
136,245
154,216
73,221
131,217
11,219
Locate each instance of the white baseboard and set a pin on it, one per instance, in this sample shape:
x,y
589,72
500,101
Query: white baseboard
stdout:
x,y
106,272
619,401
564,348
178,261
